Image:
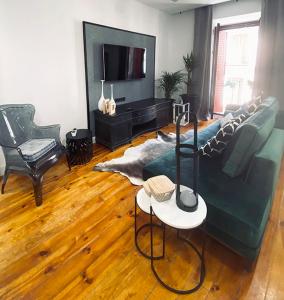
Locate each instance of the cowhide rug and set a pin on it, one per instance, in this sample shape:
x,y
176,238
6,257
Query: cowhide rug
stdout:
x,y
135,158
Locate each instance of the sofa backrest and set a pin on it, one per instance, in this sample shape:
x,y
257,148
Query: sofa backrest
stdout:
x,y
249,138
16,123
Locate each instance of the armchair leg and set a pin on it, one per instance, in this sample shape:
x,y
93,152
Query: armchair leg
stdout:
x,y
68,161
4,181
37,184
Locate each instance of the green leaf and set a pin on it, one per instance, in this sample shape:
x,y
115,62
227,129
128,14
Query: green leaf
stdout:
x,y
170,82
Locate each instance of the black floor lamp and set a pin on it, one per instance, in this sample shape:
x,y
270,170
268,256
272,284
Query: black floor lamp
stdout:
x,y
187,200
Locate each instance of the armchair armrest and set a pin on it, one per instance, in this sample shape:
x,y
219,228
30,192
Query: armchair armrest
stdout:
x,y
14,157
51,131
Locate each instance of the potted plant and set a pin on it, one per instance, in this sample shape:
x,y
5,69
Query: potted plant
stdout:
x,y
170,82
189,64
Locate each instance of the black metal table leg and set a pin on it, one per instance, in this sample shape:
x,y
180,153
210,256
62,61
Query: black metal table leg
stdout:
x,y
200,255
137,230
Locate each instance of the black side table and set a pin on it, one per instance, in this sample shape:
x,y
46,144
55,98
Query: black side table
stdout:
x,y
142,200
171,215
79,147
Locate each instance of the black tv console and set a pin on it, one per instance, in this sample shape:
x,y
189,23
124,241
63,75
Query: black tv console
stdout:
x,y
131,120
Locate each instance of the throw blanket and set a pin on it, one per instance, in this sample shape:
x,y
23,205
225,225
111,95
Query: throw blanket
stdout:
x,y
134,159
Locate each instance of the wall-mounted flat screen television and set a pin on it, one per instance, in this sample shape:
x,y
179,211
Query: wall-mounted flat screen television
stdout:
x,y
123,63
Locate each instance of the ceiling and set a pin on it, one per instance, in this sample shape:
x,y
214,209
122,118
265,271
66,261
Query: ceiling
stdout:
x,y
176,6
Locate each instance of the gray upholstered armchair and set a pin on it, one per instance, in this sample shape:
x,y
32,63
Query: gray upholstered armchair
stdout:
x,y
28,149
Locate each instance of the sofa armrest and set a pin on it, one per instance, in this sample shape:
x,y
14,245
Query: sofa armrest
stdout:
x,y
262,175
265,165
279,122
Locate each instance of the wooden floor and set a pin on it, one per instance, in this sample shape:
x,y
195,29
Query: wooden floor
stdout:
x,y
79,244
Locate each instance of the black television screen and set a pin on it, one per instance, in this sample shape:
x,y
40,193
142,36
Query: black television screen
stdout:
x,y
123,63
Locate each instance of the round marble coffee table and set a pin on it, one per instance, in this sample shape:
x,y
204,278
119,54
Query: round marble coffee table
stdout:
x,y
169,214
142,200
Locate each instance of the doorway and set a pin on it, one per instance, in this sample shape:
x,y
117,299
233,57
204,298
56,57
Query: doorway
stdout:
x,y
235,51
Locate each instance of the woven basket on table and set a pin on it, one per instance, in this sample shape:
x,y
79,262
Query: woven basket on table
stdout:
x,y
160,187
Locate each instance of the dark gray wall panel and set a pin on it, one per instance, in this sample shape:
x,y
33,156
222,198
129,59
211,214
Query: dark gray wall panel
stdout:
x,y
94,37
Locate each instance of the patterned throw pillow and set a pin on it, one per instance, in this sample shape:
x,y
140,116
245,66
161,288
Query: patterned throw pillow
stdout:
x,y
241,118
216,145
254,105
228,117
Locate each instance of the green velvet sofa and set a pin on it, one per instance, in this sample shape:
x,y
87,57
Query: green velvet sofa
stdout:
x,y
237,186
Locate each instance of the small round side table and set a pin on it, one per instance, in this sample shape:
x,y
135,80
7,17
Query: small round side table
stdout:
x,y
169,214
79,147
142,200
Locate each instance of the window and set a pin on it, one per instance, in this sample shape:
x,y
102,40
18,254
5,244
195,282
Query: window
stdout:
x,y
235,51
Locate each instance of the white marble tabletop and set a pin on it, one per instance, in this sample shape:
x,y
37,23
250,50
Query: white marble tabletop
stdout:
x,y
170,214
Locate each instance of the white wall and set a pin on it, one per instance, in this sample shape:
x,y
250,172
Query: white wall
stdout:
x,y
242,7
180,42
180,31
181,34
41,52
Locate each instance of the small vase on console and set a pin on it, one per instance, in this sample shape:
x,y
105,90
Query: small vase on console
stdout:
x,y
101,103
105,106
111,104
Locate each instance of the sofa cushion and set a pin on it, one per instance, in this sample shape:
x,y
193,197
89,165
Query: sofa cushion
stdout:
x,y
248,139
34,149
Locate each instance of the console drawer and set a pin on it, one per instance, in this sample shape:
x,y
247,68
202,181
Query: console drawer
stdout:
x,y
146,117
144,111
